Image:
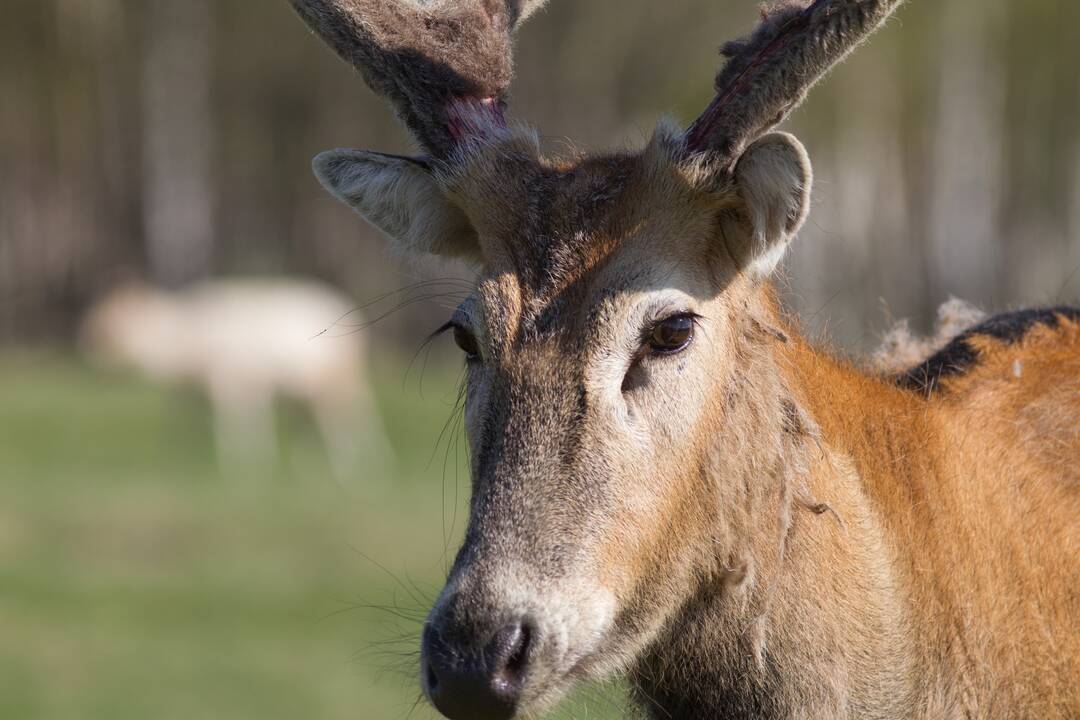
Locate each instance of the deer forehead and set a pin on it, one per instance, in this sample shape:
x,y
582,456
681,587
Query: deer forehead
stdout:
x,y
506,185
560,236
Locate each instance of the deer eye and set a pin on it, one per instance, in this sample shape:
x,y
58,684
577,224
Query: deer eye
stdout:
x,y
672,334
467,342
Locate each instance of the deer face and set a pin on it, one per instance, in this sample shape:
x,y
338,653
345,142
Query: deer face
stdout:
x,y
608,408
601,343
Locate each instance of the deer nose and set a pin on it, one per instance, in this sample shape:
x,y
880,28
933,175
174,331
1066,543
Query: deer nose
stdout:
x,y
484,686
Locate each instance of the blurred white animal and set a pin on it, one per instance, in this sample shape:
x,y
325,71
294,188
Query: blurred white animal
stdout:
x,y
245,341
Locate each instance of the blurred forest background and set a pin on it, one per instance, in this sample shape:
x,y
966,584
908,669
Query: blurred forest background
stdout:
x,y
170,140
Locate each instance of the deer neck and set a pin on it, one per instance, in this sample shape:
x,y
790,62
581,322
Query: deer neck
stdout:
x,y
799,617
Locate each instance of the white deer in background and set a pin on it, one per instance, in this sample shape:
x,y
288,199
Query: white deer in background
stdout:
x,y
245,342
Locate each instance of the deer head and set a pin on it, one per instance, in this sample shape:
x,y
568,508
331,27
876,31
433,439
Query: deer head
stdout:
x,y
617,433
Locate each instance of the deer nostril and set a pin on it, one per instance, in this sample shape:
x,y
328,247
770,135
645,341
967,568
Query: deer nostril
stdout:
x,y
511,655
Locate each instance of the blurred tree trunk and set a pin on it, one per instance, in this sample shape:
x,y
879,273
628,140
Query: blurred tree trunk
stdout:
x,y
178,140
966,191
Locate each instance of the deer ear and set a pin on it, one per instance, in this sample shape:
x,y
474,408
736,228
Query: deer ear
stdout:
x,y
400,197
773,178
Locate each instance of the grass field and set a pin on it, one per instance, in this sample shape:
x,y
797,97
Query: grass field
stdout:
x,y
136,582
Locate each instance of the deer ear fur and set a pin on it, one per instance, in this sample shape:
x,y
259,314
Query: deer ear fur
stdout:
x,y
773,178
399,196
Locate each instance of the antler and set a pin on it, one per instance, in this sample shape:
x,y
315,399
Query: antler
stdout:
x,y
769,72
445,64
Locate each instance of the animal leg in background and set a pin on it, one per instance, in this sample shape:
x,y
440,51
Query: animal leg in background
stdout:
x,y
243,427
353,433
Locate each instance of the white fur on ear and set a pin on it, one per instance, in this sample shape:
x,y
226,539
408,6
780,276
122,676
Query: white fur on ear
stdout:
x,y
774,179
401,198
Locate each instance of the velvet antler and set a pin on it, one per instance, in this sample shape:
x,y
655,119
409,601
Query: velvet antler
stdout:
x,y
446,65
769,72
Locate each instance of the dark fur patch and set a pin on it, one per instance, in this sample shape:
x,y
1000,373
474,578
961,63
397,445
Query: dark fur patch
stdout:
x,y
439,64
769,72
959,356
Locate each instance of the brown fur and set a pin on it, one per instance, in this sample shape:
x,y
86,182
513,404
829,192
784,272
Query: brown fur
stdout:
x,y
975,498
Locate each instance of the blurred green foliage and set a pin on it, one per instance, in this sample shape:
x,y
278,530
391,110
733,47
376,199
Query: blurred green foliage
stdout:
x,y
135,582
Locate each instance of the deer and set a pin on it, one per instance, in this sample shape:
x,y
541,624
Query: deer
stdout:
x,y
669,481
244,342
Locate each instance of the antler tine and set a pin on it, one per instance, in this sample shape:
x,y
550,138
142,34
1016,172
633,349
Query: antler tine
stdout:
x,y
768,73
445,64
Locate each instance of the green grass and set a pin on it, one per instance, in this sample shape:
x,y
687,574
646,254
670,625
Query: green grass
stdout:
x,y
136,582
